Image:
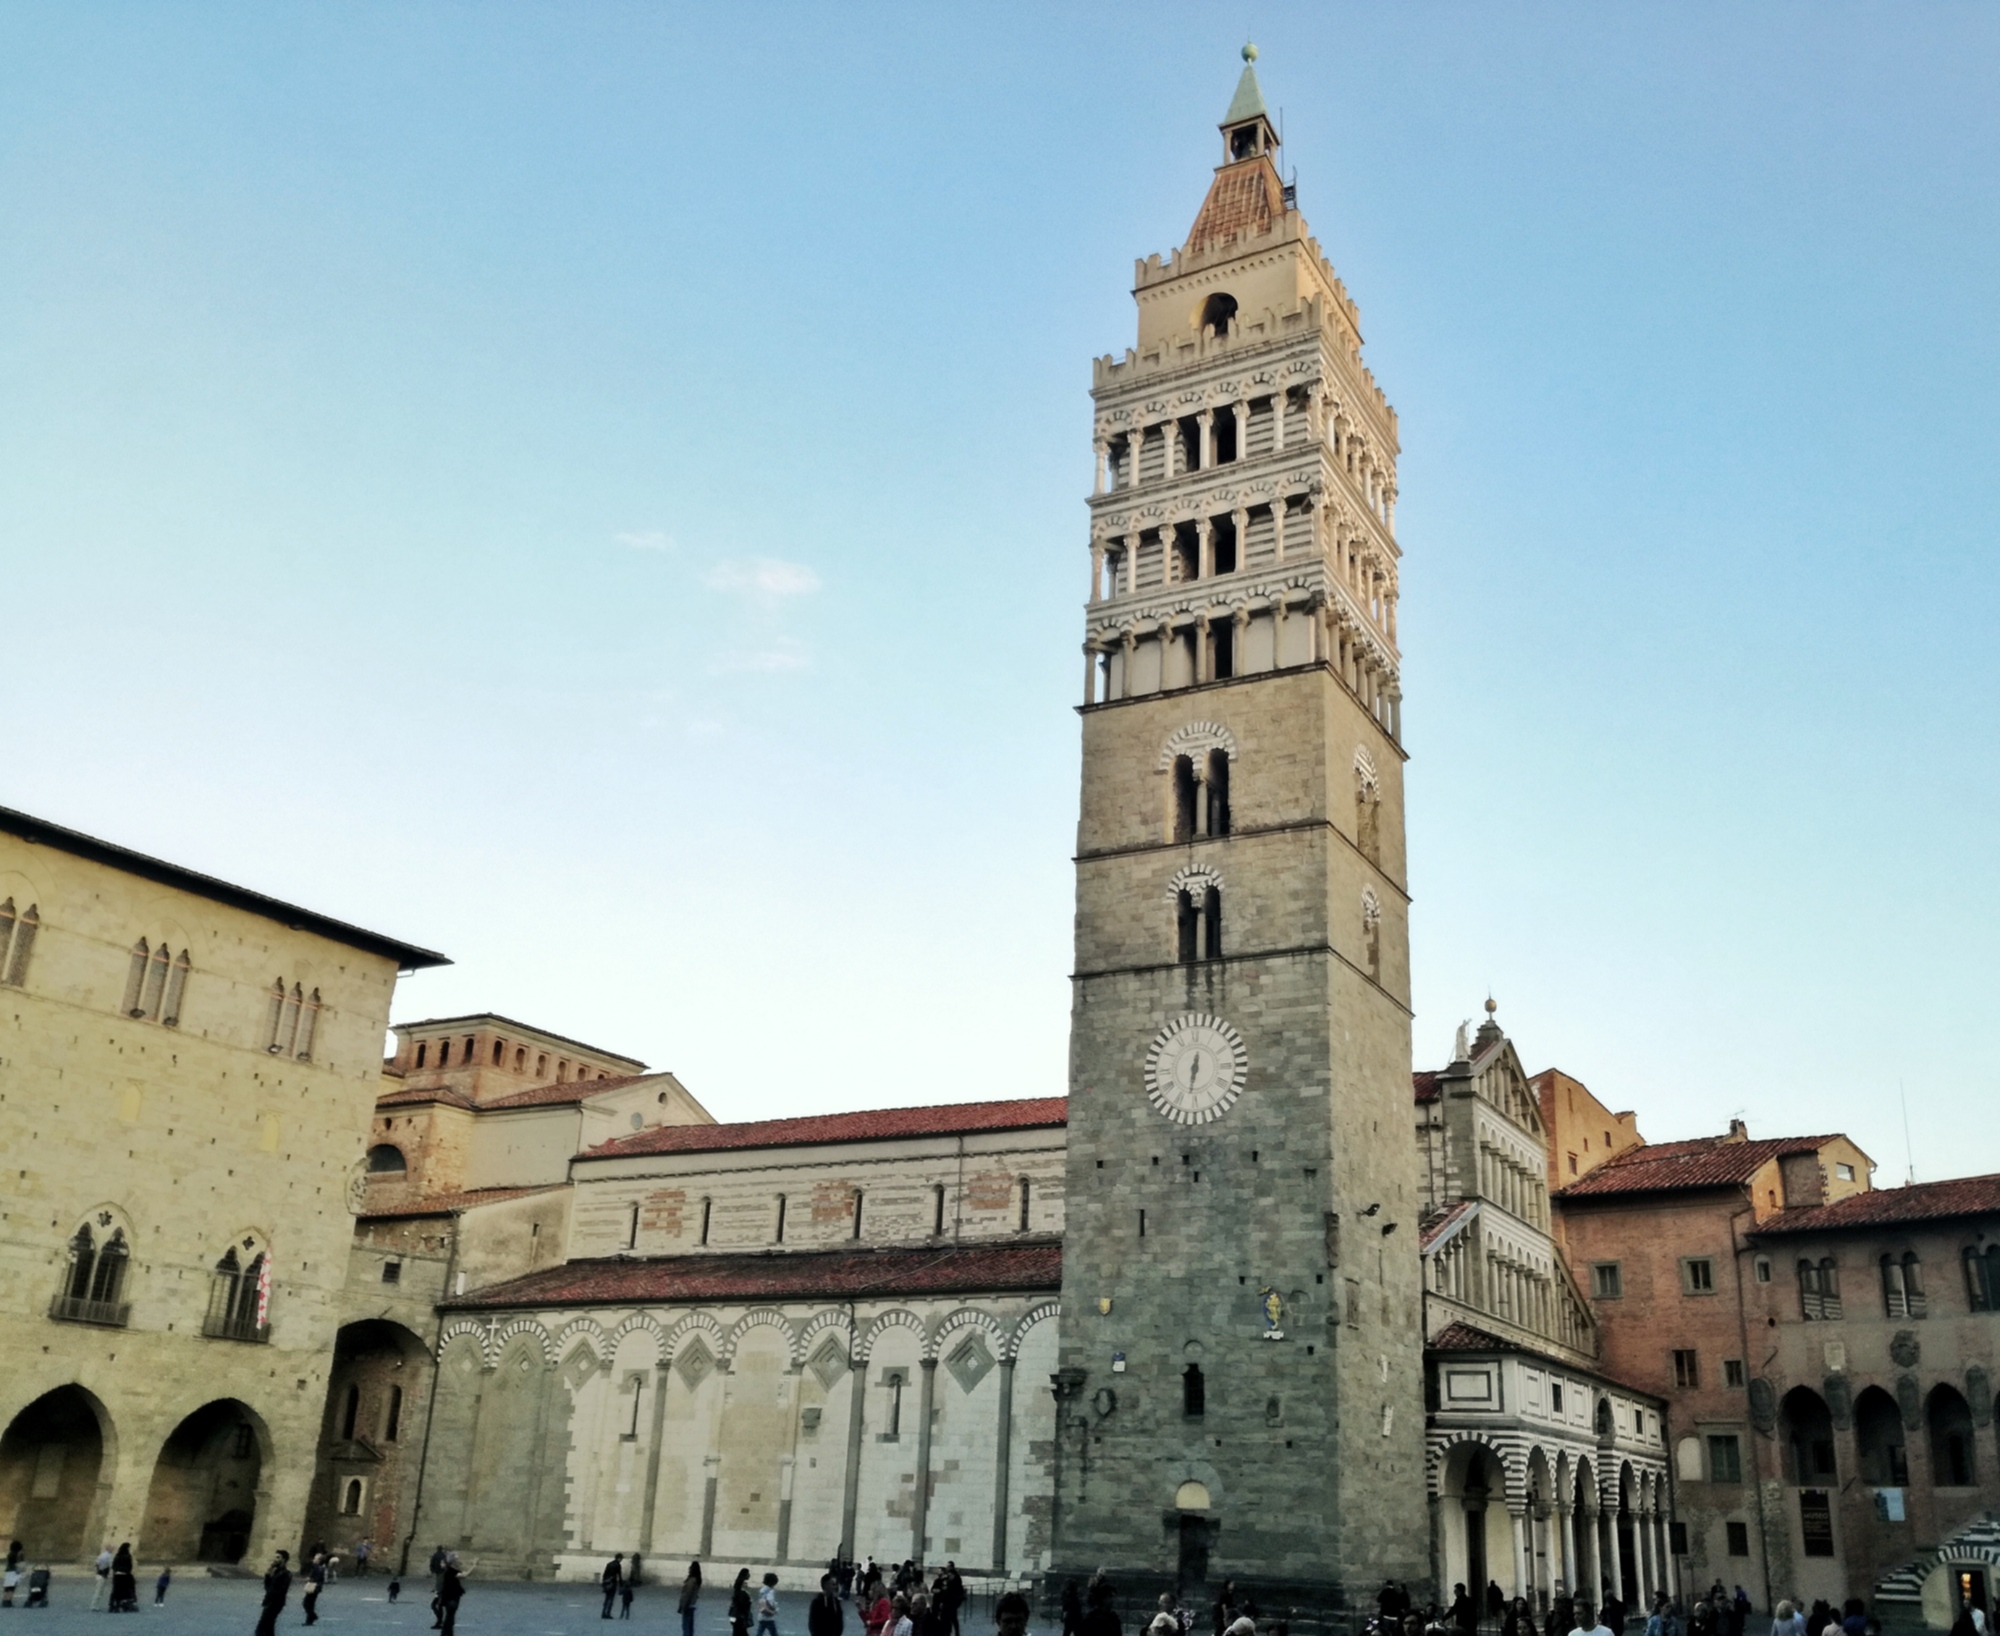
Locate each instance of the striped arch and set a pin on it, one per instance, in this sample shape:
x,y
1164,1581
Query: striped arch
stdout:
x,y
1194,739
477,1334
518,1328
761,1318
697,1323
1034,1315
1507,1454
965,1318
819,1324
1364,768
901,1318
639,1321
586,1332
1197,880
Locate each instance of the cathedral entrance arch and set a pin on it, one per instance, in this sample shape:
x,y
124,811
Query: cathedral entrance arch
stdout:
x,y
208,1486
55,1459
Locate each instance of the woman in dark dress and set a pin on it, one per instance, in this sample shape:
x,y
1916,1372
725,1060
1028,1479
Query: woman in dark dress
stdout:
x,y
124,1582
739,1604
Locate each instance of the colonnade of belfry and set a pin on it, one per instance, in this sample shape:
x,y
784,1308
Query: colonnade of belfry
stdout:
x,y
1243,516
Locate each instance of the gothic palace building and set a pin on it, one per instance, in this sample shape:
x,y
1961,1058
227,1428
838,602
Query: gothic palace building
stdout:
x,y
1251,1300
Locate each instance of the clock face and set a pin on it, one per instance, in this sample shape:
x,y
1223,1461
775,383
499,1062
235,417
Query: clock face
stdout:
x,y
1194,1068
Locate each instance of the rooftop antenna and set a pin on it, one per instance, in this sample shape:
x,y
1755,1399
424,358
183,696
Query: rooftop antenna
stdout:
x,y
1909,1157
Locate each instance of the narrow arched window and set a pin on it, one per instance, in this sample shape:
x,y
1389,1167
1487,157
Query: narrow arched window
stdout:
x,y
288,1025
350,1412
156,982
1913,1284
444,1053
82,1262
107,1282
1218,792
520,1059
857,1212
420,1053
135,979
17,942
778,1234
1894,1299
1187,926
499,1051
1829,1285
392,1417
177,982
350,1498
1027,1202
937,1209
1211,924
1194,1392
1184,798
541,1065
274,1017
308,1026
1218,312
707,1206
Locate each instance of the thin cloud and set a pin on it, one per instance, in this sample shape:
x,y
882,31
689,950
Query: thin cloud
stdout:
x,y
762,577
781,656
647,539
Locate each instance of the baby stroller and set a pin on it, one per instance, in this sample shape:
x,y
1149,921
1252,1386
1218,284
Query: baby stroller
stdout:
x,y
38,1588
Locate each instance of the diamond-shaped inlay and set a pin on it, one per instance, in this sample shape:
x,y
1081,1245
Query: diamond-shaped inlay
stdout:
x,y
695,1363
829,1363
970,1360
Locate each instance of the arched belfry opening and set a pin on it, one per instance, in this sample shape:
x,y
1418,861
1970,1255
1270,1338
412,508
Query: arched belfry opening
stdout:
x,y
1218,312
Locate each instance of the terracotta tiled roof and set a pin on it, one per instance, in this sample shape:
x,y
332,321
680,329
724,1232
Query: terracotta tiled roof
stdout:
x,y
805,1275
1244,199
1882,1207
948,1119
450,1204
1438,1224
1673,1167
1425,1083
1457,1337
573,1092
410,1098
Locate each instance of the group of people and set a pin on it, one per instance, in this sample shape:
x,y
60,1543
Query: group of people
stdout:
x,y
1719,1612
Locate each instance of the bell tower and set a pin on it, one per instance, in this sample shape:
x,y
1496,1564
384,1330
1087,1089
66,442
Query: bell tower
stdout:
x,y
1241,1339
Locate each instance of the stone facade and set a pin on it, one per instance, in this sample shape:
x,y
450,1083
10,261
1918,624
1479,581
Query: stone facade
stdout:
x,y
1241,1348
187,1073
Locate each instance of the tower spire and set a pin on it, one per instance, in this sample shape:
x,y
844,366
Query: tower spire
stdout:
x,y
1248,102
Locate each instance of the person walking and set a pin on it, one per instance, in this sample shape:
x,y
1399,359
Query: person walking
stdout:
x,y
625,1594
767,1606
102,1594
10,1582
690,1596
315,1583
739,1604
611,1579
363,1549
277,1586
878,1610
825,1616
160,1586
124,1581
451,1592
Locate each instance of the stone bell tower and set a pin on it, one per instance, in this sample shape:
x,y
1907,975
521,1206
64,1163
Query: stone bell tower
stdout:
x,y
1241,1385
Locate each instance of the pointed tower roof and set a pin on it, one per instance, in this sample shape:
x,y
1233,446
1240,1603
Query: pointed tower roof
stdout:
x,y
1246,199
1248,103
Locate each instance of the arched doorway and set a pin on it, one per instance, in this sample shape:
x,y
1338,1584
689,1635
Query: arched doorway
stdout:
x,y
1478,1528
202,1505
376,1394
52,1457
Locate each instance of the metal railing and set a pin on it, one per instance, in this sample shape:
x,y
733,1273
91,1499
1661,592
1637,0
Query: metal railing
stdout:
x,y
76,1309
225,1328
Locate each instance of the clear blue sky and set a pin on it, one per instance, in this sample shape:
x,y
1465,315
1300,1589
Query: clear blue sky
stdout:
x,y
598,489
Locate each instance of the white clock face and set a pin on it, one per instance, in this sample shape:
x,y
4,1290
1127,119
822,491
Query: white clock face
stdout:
x,y
1194,1068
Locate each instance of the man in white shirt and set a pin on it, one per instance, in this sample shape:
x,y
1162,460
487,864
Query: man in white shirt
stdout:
x,y
1587,1622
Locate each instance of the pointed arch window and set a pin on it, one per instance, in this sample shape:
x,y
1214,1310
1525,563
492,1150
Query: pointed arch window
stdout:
x,y
1903,1285
17,941
291,1021
156,981
239,1297
1982,1278
93,1286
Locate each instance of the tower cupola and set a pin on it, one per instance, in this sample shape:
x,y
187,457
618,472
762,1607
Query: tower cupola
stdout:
x,y
1247,131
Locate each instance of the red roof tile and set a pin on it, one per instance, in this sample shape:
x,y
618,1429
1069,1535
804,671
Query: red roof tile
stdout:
x,y
804,1275
949,1119
411,1098
1881,1207
1457,1337
450,1204
573,1092
1243,200
1434,1227
1425,1083
1672,1167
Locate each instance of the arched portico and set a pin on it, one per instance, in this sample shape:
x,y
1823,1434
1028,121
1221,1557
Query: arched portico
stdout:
x,y
376,1396
210,1484
56,1460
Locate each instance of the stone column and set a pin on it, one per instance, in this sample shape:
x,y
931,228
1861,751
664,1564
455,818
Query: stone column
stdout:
x,y
1523,1557
1100,450
1201,661
850,1493
1131,562
652,1495
1649,1577
1565,1564
1240,521
1096,570
1090,673
1207,419
1003,1442
1278,529
1240,636
1278,420
1204,538
1616,1554
1130,638
921,1521
1589,1585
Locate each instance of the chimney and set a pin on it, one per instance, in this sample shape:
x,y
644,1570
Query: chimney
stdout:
x,y
1738,1131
